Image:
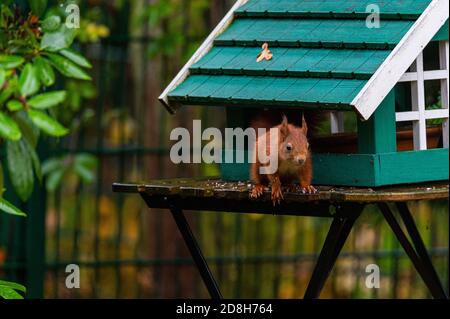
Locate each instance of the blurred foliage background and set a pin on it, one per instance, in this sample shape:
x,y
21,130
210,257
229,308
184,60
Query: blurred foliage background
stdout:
x,y
126,251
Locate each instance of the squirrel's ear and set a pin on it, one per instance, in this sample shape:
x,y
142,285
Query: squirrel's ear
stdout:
x,y
304,125
284,129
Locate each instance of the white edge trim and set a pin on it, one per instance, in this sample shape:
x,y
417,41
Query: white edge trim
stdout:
x,y
401,58
201,52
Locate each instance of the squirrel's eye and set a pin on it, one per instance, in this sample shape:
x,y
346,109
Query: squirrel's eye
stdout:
x,y
289,146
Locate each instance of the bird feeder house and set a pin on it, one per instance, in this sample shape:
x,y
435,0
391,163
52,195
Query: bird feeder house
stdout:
x,y
378,61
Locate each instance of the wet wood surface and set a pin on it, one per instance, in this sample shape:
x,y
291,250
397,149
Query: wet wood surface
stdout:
x,y
239,191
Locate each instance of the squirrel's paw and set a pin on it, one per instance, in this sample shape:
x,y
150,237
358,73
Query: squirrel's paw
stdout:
x,y
277,195
292,188
257,191
309,190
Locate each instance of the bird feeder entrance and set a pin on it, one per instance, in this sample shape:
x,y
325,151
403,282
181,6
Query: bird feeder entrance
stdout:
x,y
384,96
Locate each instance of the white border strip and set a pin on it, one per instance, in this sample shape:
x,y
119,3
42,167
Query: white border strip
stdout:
x,y
201,52
401,58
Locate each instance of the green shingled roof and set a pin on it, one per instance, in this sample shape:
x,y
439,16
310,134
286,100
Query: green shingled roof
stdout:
x,y
323,53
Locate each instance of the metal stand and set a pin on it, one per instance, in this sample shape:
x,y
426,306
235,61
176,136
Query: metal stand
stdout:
x,y
415,251
335,240
196,252
337,235
350,207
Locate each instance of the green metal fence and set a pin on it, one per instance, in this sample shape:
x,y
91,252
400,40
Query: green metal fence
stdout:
x,y
125,250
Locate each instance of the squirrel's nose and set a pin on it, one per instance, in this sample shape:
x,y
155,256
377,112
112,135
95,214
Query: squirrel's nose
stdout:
x,y
300,160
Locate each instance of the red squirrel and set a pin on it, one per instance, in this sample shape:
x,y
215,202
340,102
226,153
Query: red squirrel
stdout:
x,y
294,160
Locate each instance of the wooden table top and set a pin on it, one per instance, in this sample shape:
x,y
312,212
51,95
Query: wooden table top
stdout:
x,y
215,188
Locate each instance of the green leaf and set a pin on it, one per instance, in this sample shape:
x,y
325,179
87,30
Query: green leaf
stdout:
x,y
68,68
51,165
86,160
47,124
38,6
47,100
9,128
2,77
11,61
28,81
2,180
13,285
45,71
29,131
8,293
51,24
14,105
88,90
86,174
10,209
34,159
59,39
6,93
76,57
54,180
20,168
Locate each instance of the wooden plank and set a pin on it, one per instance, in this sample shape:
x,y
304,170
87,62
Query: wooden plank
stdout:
x,y
313,33
367,170
397,193
202,50
344,92
413,167
268,91
410,9
231,196
294,62
329,169
378,134
427,75
407,116
436,114
345,170
412,43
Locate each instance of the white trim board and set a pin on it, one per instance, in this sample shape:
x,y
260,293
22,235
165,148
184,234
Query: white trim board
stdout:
x,y
427,75
415,115
201,52
401,58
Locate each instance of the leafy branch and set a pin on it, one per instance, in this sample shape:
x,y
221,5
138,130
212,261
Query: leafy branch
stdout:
x,y
35,57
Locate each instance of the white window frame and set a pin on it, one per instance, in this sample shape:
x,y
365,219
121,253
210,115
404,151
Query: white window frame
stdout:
x,y
419,116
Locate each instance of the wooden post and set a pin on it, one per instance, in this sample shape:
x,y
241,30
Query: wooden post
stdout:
x,y
378,133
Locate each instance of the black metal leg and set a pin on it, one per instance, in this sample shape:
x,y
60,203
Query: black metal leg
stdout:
x,y
196,253
337,235
418,254
421,250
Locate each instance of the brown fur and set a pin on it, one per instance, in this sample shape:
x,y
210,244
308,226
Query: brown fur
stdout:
x,y
294,161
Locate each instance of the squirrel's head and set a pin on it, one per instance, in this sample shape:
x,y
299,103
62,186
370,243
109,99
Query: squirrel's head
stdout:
x,y
293,146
